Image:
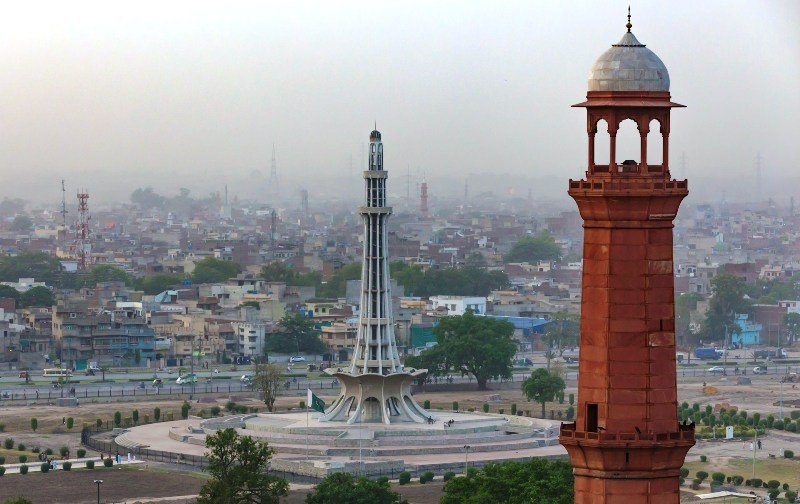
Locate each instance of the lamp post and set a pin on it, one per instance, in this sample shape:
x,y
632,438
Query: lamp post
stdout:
x,y
98,483
466,458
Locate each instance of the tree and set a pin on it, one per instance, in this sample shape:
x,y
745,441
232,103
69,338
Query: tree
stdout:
x,y
239,469
278,271
537,481
107,273
344,487
727,300
156,284
212,270
10,292
34,424
37,296
267,381
685,304
468,344
561,333
542,387
297,335
21,223
147,198
792,323
37,265
471,280
532,249
336,286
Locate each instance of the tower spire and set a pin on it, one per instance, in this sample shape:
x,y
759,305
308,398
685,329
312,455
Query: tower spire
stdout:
x,y
628,25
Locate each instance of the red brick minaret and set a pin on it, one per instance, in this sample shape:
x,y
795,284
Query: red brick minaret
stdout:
x,y
626,445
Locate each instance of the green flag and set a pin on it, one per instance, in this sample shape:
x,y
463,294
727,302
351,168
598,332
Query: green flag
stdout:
x,y
315,402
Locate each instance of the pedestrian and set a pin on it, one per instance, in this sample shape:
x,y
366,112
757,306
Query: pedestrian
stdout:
x,y
759,444
63,420
751,446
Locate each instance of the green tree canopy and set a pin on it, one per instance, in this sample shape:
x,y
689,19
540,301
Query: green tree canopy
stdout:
x,y
37,296
21,223
727,300
532,249
212,270
685,304
336,286
537,481
147,198
239,469
278,271
156,284
792,323
297,335
471,280
38,265
479,346
542,387
10,292
561,333
344,487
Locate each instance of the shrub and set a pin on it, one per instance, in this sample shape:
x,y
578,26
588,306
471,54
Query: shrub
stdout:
x,y
302,405
117,418
773,494
35,449
791,495
428,475
230,405
2,460
404,478
98,423
471,410
146,418
2,427
70,423
108,462
67,466
788,454
747,482
23,459
135,416
455,405
785,486
795,414
514,408
756,482
8,444
701,475
81,453
696,483
501,410
23,469
449,475
485,408
773,484
21,447
241,408
791,426
737,480
34,424
426,404
90,464
718,477
770,421
2,470
48,451
185,407
63,451
157,414
170,416
778,424
703,458
44,467
571,399
684,472
216,410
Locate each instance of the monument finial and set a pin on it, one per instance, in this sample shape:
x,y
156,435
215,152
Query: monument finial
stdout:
x,y
628,25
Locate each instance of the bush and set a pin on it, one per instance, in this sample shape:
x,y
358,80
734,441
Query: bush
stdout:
x,y
157,414
795,414
134,415
737,480
718,477
8,444
788,454
48,451
756,482
684,472
21,447
383,480
501,410
35,449
778,424
90,464
81,453
108,462
23,469
230,405
770,421
696,483
34,424
426,404
404,478
571,399
449,475
146,418
70,423
241,408
791,426
67,466
514,408
216,410
455,405
185,407
44,467
170,416
701,475
2,460
570,412
117,418
773,484
791,495
703,458
785,486
2,427
98,423
23,459
63,451
2,470
428,475
302,405
773,494
485,408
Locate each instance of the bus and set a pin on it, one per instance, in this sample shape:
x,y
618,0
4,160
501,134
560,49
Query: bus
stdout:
x,y
57,373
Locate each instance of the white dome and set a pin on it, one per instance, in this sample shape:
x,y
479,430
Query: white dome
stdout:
x,y
628,66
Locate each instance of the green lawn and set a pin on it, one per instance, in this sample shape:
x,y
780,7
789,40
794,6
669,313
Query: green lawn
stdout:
x,y
781,469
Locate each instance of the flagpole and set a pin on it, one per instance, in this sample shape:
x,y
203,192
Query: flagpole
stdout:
x,y
308,400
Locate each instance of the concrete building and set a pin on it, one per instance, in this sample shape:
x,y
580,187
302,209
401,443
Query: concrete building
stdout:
x,y
458,305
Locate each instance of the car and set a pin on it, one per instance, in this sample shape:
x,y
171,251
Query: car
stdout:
x,y
215,371
759,370
716,369
297,358
186,379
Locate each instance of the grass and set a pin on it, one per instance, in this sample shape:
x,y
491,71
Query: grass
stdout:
x,y
781,469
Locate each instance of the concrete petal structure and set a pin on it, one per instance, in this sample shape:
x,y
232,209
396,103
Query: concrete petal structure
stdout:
x,y
626,444
375,387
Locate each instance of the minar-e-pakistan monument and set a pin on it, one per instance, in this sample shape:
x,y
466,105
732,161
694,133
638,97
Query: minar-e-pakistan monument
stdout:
x,y
375,387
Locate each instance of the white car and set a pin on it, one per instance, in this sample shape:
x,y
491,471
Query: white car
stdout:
x,y
759,370
297,358
716,369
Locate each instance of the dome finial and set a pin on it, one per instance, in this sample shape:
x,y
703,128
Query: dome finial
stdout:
x,y
628,25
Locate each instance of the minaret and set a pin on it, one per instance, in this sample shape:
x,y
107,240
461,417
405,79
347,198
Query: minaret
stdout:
x,y
273,173
375,387
626,443
423,199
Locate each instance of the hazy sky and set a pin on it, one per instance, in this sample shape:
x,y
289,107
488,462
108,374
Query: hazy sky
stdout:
x,y
113,95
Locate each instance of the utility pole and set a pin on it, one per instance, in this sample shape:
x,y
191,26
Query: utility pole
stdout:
x,y
193,377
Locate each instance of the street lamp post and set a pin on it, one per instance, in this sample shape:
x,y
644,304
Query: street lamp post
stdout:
x,y
466,459
98,483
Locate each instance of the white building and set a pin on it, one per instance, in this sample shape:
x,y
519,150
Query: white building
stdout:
x,y
24,284
250,337
458,305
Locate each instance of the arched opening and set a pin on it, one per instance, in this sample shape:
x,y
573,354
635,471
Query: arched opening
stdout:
x,y
602,146
655,146
629,145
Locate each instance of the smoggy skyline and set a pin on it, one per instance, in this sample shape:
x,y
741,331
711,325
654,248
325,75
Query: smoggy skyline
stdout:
x,y
116,96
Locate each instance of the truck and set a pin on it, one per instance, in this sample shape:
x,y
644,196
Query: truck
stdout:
x,y
708,353
769,353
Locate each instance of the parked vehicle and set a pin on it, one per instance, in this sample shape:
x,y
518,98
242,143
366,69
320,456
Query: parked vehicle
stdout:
x,y
708,353
716,369
186,379
770,353
759,370
297,358
57,373
158,382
